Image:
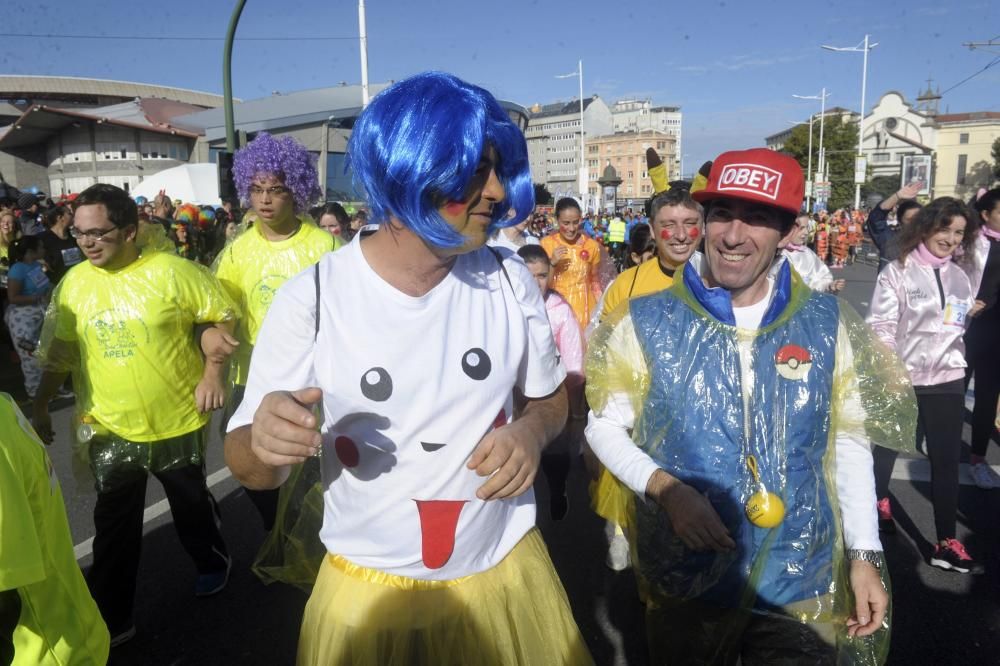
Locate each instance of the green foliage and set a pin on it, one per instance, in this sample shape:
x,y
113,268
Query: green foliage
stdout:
x,y
840,139
542,195
880,186
996,158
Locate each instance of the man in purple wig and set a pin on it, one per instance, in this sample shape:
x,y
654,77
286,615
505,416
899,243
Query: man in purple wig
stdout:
x,y
277,178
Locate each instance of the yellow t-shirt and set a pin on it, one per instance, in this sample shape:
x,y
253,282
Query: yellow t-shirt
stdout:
x,y
251,268
134,327
646,278
575,277
59,622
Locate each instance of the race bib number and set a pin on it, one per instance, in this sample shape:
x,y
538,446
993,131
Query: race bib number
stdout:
x,y
955,312
71,256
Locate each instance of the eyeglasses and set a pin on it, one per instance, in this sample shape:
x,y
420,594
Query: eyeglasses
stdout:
x,y
276,191
96,235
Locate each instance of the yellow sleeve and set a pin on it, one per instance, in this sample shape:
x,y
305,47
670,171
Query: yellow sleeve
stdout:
x,y
21,561
225,271
618,291
201,293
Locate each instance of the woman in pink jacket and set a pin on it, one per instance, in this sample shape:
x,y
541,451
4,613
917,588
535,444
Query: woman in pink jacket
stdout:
x,y
919,308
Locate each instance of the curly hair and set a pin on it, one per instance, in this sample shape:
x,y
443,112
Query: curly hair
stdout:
x,y
283,158
933,217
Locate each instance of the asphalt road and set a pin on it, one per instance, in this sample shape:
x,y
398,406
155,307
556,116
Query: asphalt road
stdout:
x,y
940,618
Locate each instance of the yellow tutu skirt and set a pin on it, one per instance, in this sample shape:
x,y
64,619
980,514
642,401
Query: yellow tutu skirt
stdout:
x,y
514,613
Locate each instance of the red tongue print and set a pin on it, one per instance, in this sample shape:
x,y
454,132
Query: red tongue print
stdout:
x,y
501,419
438,521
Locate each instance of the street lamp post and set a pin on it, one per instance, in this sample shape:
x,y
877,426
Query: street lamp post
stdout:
x,y
363,33
822,151
227,77
809,159
864,47
582,180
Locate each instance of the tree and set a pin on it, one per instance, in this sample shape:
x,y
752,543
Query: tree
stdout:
x,y
840,140
996,158
542,195
881,186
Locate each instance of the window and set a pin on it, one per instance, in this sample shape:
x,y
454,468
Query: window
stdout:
x,y
631,174
880,157
963,137
962,164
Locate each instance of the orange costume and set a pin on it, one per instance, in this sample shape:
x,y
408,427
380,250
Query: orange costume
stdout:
x,y
822,240
838,231
576,277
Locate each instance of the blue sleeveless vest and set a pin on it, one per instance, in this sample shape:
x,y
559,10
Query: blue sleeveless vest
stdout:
x,y
697,425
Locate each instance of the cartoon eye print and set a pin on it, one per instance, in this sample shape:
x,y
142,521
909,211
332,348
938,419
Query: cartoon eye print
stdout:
x,y
476,364
376,384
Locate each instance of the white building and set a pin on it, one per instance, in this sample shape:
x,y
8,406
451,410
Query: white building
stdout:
x,y
553,137
894,129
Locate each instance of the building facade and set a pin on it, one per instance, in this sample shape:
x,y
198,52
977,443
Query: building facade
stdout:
x,y
963,159
633,115
626,152
553,137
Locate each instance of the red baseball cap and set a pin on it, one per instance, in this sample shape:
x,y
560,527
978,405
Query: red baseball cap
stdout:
x,y
758,175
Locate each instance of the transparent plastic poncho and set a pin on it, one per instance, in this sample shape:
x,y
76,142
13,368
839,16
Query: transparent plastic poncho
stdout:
x,y
128,338
816,373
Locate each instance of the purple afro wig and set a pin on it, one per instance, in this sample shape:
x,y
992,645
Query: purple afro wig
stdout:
x,y
283,158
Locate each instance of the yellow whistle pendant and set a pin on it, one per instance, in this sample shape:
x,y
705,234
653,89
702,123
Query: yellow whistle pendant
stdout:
x,y
763,509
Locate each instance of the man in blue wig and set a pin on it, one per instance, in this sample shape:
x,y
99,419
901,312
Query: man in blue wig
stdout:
x,y
408,347
741,405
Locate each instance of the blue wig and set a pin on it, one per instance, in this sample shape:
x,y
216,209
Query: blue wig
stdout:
x,y
419,143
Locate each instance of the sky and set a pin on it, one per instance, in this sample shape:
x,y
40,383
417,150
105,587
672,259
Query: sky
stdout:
x,y
732,65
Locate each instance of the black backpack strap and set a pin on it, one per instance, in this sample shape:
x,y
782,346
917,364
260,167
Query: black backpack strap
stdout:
x,y
316,282
496,255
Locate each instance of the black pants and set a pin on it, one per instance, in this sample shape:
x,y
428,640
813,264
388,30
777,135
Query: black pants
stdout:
x,y
695,633
939,420
265,501
984,362
118,538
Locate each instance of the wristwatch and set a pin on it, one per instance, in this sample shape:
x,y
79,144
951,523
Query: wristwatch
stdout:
x,y
872,557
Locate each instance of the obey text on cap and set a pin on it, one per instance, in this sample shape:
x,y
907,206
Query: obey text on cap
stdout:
x,y
752,178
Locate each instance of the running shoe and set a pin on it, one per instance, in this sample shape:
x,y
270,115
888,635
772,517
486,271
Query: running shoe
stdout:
x,y
618,558
984,476
886,524
952,556
213,583
123,636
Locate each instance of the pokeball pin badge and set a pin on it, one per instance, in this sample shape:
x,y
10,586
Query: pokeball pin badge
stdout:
x,y
793,362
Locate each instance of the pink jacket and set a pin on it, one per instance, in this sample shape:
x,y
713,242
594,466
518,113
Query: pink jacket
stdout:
x,y
566,331
920,312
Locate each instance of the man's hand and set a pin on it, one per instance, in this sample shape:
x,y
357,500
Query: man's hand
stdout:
x,y
43,423
511,454
976,308
836,286
284,428
218,344
691,515
870,600
209,394
910,191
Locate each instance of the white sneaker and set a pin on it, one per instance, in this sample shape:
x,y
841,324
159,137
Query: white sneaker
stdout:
x,y
984,476
618,558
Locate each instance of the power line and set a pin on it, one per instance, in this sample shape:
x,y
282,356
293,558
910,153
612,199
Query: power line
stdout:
x,y
971,76
172,39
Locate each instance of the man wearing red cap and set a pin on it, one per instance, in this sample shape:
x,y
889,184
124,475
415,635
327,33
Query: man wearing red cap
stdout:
x,y
741,404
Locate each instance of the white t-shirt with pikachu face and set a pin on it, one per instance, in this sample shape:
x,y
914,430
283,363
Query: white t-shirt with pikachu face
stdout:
x,y
410,387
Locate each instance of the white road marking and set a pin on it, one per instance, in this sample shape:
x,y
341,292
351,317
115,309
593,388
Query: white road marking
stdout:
x,y
152,512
